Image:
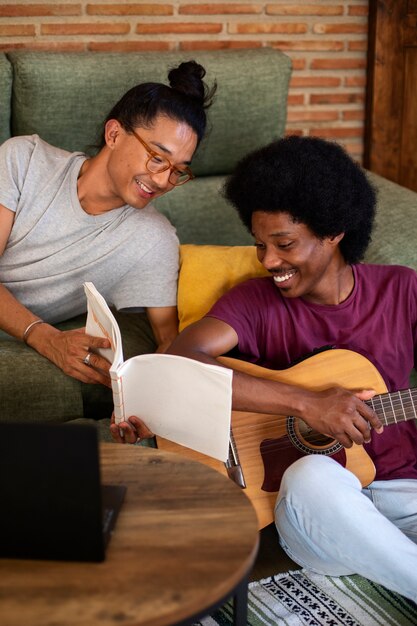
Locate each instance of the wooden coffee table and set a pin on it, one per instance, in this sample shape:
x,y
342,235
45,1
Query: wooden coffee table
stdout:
x,y
184,542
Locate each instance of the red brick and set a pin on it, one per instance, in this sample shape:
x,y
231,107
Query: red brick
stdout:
x,y
53,46
295,99
340,28
259,28
293,131
358,46
110,28
298,65
130,46
218,45
130,9
303,9
361,10
355,81
312,116
336,132
17,30
338,64
218,9
337,98
356,115
33,10
7,47
315,81
178,28
307,45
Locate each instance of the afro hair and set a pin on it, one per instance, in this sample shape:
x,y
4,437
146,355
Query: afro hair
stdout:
x,y
313,180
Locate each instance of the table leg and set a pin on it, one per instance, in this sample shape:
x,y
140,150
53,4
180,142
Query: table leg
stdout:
x,y
240,604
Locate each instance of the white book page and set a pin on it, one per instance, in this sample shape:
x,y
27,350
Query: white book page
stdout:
x,y
180,399
101,323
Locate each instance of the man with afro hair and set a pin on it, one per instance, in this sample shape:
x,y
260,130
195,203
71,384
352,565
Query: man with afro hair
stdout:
x,y
310,209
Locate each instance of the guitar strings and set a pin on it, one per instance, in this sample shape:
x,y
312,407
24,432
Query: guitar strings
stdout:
x,y
391,403
394,403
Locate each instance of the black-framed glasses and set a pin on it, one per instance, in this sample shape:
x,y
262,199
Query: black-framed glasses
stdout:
x,y
157,163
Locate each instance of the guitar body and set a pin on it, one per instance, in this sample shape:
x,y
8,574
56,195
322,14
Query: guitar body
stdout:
x,y
267,444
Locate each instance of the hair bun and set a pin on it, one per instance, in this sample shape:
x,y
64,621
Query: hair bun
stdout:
x,y
187,78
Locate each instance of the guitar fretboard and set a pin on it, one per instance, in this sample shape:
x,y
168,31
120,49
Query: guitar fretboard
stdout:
x,y
395,407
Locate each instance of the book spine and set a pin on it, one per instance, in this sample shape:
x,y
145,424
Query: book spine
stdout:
x,y
117,389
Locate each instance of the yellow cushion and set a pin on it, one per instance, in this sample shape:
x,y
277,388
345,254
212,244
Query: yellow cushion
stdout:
x,y
207,272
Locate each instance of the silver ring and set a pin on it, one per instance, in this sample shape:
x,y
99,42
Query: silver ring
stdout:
x,y
87,358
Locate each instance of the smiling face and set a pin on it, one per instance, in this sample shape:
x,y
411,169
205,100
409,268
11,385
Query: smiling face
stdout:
x,y
128,180
302,264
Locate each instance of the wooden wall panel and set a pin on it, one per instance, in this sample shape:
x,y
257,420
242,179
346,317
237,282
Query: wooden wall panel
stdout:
x,y
408,166
391,108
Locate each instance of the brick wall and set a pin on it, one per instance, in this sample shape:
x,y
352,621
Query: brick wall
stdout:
x,y
326,41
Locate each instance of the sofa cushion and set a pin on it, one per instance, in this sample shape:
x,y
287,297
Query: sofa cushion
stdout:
x,y
5,97
207,272
33,388
64,97
395,233
48,393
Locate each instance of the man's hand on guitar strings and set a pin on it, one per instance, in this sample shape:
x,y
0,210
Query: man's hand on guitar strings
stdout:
x,y
343,415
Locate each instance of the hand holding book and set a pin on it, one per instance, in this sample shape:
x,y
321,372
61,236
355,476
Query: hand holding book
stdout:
x,y
180,399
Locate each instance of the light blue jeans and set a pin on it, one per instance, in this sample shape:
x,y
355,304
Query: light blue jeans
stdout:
x,y
329,524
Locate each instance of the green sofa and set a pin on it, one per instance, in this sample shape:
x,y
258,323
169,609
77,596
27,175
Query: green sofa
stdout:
x,y
64,97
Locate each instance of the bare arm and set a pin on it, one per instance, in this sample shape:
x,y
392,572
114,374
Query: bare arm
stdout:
x,y
65,349
335,412
164,322
6,224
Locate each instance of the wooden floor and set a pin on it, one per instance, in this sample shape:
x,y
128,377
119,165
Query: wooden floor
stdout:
x,y
271,557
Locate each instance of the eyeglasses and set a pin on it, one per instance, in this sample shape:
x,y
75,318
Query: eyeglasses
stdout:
x,y
157,163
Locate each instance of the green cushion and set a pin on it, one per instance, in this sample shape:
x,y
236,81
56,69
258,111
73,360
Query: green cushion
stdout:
x,y
33,388
5,96
201,215
395,234
64,97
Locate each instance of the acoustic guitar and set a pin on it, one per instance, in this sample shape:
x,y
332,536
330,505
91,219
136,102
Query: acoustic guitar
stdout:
x,y
262,446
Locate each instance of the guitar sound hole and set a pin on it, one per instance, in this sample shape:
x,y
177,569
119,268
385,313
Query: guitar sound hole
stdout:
x,y
309,440
311,436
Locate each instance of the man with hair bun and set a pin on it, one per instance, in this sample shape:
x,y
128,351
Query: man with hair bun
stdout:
x,y
66,218
310,209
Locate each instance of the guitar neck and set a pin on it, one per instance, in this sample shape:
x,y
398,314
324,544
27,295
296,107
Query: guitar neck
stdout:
x,y
394,407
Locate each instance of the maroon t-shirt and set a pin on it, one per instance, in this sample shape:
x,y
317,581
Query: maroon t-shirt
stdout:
x,y
378,320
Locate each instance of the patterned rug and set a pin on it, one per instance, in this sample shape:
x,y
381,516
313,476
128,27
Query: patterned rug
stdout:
x,y
304,599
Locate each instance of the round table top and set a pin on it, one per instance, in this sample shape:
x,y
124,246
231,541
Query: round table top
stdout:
x,y
184,539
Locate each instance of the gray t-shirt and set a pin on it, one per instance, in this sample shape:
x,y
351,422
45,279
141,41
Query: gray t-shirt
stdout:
x,y
131,255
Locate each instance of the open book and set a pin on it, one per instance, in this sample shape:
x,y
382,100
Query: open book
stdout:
x,y
180,399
